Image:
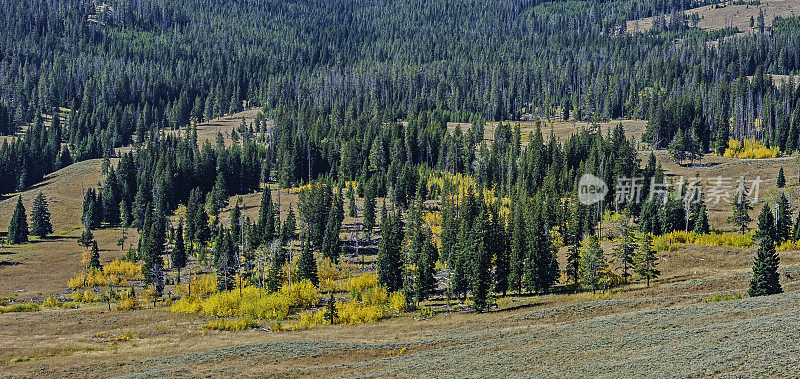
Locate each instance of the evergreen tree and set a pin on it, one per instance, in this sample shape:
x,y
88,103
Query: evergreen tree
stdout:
x,y
741,210
592,262
672,215
575,236
331,245
330,310
646,259
307,265
288,230
351,199
481,269
783,222
519,249
266,217
390,256
625,248
111,199
369,208
499,246
94,257
18,228
701,221
92,210
541,268
218,197
40,217
277,261
226,261
781,181
765,268
179,256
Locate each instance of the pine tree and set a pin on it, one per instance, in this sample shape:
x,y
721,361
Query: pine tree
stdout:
x,y
646,259
765,268
277,261
92,210
781,181
179,250
218,197
40,217
519,249
541,269
701,221
741,210
307,265
227,260
351,199
266,217
575,235
481,270
369,208
18,228
783,222
330,310
592,262
390,256
499,245
288,229
625,248
94,257
331,245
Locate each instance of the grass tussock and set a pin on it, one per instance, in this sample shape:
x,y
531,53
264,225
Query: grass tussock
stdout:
x,y
52,302
718,298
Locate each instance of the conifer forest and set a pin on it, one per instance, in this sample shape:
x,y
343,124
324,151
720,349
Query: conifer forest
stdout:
x,y
399,187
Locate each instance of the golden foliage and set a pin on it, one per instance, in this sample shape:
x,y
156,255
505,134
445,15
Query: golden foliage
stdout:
x,y
24,307
251,302
750,149
128,304
116,273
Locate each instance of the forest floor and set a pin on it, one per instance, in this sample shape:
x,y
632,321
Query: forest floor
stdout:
x,y
666,330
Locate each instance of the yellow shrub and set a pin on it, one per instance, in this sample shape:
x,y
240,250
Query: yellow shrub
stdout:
x,y
128,304
86,297
231,325
307,320
789,245
353,312
750,149
24,307
116,273
398,302
377,296
51,302
124,269
252,303
356,286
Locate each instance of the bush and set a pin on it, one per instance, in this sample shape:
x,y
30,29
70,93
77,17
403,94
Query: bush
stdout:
x,y
307,320
717,298
352,312
116,273
356,286
250,302
128,304
671,241
24,307
750,149
86,297
231,324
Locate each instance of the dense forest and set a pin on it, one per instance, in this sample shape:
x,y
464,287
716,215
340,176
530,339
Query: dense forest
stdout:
x,y
363,91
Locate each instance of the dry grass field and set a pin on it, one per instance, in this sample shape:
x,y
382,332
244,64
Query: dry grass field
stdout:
x,y
667,330
737,16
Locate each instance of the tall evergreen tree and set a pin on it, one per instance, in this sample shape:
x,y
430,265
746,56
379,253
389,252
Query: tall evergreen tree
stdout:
x,y
390,256
646,259
741,210
178,255
266,217
369,208
625,248
307,265
519,249
40,217
701,221
783,221
94,257
592,263
18,228
781,181
481,268
765,279
331,244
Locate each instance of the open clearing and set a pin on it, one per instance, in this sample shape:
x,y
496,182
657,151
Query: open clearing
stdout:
x,y
737,16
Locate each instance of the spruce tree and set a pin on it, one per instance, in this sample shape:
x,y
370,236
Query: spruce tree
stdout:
x,y
94,257
277,261
390,256
592,262
179,250
307,265
18,228
741,210
481,269
701,221
499,245
266,217
781,181
783,222
369,208
40,217
288,229
227,260
519,249
351,199
625,248
331,245
646,259
765,268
